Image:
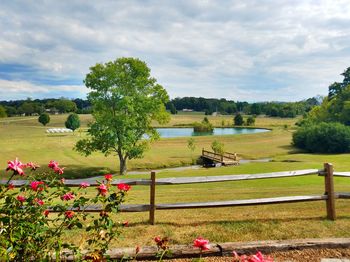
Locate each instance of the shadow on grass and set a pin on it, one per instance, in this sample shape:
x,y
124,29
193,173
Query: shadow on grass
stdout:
x,y
241,222
75,171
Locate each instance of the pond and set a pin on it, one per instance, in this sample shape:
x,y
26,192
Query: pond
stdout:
x,y
188,131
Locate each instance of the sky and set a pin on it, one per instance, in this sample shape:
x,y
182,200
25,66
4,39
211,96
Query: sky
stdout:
x,y
248,50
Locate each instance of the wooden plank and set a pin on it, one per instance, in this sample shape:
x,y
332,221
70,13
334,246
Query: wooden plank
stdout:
x,y
123,208
245,202
208,179
341,174
222,249
181,180
152,198
342,195
329,191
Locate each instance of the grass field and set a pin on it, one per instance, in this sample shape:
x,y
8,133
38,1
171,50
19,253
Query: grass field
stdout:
x,y
26,138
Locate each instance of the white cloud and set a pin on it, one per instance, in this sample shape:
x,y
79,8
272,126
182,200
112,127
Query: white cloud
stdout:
x,y
234,49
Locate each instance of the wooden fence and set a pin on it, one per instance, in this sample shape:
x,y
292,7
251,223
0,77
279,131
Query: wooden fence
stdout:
x,y
329,196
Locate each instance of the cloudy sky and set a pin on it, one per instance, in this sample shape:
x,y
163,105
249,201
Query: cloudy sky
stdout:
x,y
240,50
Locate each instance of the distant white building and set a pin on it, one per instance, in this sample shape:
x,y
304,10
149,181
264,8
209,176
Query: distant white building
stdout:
x,y
187,110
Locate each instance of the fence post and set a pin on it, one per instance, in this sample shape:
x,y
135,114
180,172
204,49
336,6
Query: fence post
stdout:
x,y
329,186
152,197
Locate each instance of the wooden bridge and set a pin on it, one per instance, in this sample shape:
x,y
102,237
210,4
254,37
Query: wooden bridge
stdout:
x,y
226,159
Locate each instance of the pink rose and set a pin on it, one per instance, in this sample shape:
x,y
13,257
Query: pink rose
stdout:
x,y
102,189
123,187
69,214
16,166
58,170
108,177
32,165
21,198
68,196
39,201
53,164
202,243
37,185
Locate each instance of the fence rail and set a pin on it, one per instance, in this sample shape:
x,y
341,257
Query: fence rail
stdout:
x,y
329,195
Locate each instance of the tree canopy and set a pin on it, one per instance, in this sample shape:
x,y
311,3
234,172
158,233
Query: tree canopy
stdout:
x,y
125,100
73,122
44,119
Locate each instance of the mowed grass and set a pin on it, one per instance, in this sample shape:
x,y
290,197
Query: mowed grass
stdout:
x,y
26,139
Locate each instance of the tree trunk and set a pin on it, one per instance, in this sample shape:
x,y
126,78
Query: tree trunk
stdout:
x,y
122,165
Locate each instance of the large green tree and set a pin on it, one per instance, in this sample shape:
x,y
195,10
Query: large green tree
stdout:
x,y
125,100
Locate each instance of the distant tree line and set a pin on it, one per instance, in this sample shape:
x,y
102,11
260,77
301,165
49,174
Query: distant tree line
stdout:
x,y
30,107
223,106
200,104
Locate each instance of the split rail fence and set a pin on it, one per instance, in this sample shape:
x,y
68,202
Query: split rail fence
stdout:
x,y
327,172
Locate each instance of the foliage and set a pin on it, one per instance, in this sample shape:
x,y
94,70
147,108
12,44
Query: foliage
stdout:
x,y
191,146
251,121
238,120
125,100
73,122
29,230
44,119
204,126
170,106
163,247
218,147
323,138
2,112
63,105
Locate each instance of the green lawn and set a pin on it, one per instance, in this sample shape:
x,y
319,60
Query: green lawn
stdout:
x,y
26,138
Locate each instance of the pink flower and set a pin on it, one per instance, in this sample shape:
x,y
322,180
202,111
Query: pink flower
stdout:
x,y
102,189
32,165
202,243
123,187
108,177
84,185
16,166
11,186
46,213
258,257
58,170
53,164
62,180
21,198
68,196
69,214
37,185
39,201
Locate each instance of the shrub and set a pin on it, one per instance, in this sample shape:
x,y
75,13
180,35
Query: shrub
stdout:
x,y
250,121
238,120
323,138
30,232
204,126
73,122
44,119
218,147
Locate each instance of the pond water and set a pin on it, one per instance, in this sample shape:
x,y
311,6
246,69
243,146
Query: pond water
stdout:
x,y
188,131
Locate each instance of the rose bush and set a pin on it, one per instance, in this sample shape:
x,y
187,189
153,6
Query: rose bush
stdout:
x,y
34,216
